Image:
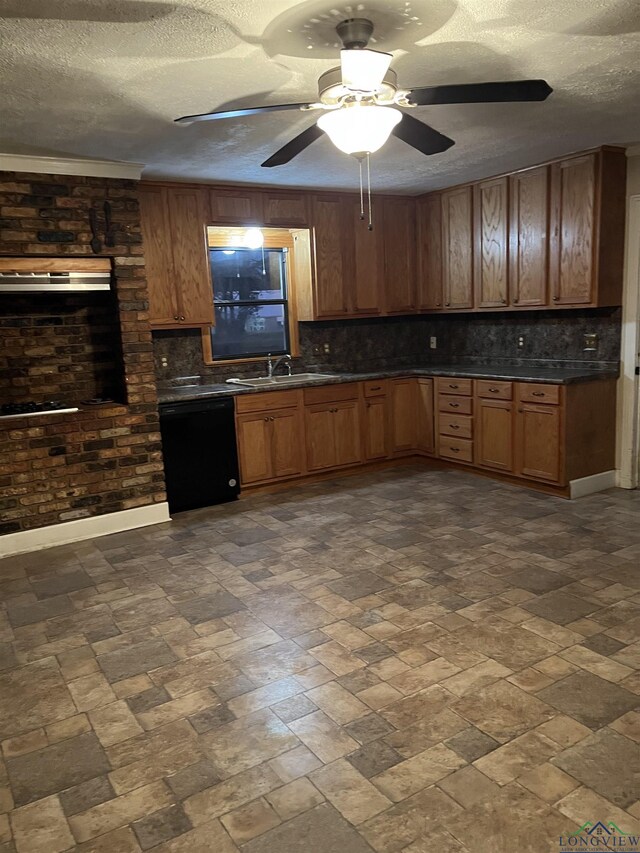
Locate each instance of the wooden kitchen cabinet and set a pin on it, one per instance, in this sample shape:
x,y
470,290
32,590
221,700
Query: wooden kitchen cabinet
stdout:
x,y
429,240
539,442
425,416
457,247
174,232
403,411
366,293
398,237
236,206
529,192
331,267
588,213
494,428
270,436
333,434
285,209
491,227
376,419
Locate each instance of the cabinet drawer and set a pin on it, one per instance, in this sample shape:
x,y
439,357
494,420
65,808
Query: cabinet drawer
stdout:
x,y
449,385
267,402
458,405
494,390
375,388
531,392
460,426
330,394
456,448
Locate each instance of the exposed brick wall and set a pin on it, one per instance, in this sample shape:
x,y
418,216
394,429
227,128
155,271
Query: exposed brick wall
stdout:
x,y
101,459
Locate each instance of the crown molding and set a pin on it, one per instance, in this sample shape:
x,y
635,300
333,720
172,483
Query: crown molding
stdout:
x,y
70,166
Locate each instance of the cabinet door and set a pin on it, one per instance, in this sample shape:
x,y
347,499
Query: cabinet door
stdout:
x,y
346,430
188,215
429,296
156,234
254,447
287,442
368,256
399,240
494,434
285,209
538,449
491,202
332,236
529,237
375,428
572,267
321,448
235,206
425,415
403,415
457,247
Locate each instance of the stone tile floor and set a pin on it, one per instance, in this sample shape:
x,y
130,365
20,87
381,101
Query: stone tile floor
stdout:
x,y
411,660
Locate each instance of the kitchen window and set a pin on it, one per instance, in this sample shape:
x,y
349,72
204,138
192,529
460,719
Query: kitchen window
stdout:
x,y
252,296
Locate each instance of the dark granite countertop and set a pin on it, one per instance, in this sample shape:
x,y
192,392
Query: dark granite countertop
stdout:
x,y
553,376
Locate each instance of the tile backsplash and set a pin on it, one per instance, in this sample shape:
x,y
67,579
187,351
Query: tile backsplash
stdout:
x,y
550,338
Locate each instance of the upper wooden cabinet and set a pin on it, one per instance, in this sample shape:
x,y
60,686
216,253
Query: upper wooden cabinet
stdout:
x,y
367,287
588,200
332,275
457,247
286,209
429,240
491,221
176,257
398,236
235,206
529,197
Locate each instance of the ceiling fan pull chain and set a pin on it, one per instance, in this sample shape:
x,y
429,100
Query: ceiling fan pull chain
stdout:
x,y
361,191
369,189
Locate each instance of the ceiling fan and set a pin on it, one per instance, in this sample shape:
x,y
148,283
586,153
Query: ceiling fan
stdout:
x,y
360,101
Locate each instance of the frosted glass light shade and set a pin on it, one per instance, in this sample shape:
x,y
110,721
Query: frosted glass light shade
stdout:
x,y
364,70
253,238
359,128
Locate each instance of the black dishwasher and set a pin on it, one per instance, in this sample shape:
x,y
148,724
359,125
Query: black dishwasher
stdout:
x,y
200,453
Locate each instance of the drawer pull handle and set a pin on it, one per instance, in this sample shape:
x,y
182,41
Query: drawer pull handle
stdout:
x,y
494,390
455,449
453,386
376,388
455,405
538,394
454,426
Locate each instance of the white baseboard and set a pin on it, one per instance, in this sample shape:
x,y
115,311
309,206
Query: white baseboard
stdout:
x,y
594,483
82,528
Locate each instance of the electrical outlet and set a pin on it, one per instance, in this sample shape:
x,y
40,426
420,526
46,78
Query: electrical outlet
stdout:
x,y
590,342
433,342
326,349
521,340
164,362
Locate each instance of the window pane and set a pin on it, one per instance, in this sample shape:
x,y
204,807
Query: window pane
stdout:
x,y
238,274
246,330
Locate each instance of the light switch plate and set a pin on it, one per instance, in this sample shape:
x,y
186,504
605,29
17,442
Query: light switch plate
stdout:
x,y
433,342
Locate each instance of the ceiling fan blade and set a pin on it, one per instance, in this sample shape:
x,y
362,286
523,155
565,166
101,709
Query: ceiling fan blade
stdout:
x,y
296,146
419,135
248,111
481,93
363,70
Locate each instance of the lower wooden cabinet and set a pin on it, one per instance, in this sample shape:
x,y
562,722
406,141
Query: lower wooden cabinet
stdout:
x,y
376,428
269,445
403,415
425,440
333,434
494,429
539,441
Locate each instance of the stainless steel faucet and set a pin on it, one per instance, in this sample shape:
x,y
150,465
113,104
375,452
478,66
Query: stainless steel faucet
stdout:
x,y
272,366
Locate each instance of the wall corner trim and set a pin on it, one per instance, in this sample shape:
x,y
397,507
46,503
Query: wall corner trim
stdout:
x,y
592,484
71,166
80,529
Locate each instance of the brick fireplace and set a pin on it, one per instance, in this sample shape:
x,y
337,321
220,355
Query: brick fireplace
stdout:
x,y
104,458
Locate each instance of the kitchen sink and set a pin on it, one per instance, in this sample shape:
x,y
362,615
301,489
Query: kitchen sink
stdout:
x,y
295,379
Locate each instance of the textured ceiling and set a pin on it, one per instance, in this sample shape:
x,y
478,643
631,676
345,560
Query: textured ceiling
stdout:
x,y
105,79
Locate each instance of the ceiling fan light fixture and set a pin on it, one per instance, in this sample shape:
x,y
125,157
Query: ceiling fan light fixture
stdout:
x,y
359,128
364,70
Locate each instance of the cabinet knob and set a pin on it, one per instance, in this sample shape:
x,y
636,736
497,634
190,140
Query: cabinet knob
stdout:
x,y
438,304
556,298
521,410
266,419
515,301
494,390
175,317
447,304
182,317
504,301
